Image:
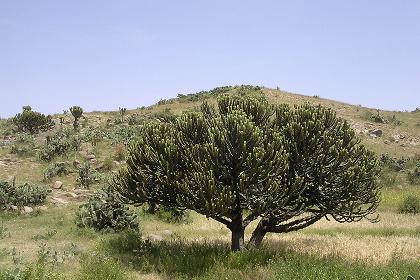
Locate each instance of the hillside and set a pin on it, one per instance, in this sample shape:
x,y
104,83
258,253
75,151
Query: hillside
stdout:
x,y
52,159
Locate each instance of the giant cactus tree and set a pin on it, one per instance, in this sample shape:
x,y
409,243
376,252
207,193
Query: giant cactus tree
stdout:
x,y
245,160
77,113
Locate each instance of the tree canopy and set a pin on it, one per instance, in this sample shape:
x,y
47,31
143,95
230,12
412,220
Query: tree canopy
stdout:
x,y
245,160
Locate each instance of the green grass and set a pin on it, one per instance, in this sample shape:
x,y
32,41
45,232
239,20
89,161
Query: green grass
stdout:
x,y
358,232
392,198
211,260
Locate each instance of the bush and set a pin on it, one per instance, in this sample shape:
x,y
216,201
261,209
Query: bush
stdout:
x,y
32,122
378,118
173,215
56,169
23,195
59,143
24,144
410,205
122,134
414,175
104,212
85,177
164,116
93,135
396,164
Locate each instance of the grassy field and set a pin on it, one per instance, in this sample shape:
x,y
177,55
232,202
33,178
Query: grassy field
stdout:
x,y
47,242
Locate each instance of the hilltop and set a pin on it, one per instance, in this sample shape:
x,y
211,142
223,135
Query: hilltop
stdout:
x,y
59,157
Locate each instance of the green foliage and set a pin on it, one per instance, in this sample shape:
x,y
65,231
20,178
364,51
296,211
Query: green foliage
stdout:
x,y
32,122
164,116
77,113
414,175
60,143
85,176
100,267
36,271
122,134
135,119
246,159
241,90
169,214
105,212
93,135
410,205
396,164
378,118
22,195
56,169
23,145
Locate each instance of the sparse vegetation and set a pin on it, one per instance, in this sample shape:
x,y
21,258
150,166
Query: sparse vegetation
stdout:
x,y
60,143
32,122
21,195
172,245
410,205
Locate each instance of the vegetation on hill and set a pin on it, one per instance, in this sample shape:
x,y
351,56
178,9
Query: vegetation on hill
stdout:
x,y
53,175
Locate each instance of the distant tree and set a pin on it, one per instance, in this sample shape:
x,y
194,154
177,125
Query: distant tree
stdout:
x,y
32,122
122,111
77,113
247,160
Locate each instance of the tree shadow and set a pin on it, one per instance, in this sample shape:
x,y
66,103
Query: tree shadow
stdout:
x,y
181,257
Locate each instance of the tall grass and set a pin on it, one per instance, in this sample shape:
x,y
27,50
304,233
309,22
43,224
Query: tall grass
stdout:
x,y
211,260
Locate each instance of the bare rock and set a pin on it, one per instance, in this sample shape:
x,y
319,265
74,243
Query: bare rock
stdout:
x,y
376,132
90,157
72,194
58,185
57,200
14,208
27,210
42,208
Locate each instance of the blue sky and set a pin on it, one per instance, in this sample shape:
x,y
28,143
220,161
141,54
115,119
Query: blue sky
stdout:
x,y
102,55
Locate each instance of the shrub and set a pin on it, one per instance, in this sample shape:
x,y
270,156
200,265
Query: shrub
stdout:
x,y
164,116
135,119
22,195
410,205
414,176
56,169
122,134
93,135
104,212
396,164
119,152
85,177
59,143
32,122
24,144
173,215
